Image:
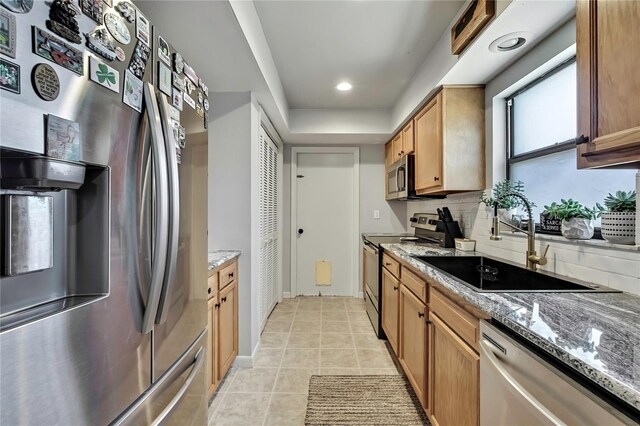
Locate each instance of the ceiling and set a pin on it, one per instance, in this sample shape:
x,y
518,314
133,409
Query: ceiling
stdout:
x,y
375,45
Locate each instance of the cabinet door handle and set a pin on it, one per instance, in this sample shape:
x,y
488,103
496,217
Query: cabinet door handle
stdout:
x,y
217,305
428,322
582,139
436,178
395,288
224,299
420,314
387,264
230,274
209,290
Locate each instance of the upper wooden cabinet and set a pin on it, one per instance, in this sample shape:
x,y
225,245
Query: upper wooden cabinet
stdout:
x,y
388,154
608,83
407,139
449,142
396,143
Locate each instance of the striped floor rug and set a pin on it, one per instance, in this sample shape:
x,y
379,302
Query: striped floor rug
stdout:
x,y
363,400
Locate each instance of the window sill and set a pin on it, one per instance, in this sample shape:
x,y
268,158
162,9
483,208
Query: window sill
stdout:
x,y
562,240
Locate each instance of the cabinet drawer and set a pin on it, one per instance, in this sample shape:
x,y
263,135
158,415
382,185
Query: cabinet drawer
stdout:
x,y
228,275
414,283
465,325
391,265
212,285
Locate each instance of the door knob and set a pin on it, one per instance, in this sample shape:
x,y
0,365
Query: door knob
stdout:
x,y
300,231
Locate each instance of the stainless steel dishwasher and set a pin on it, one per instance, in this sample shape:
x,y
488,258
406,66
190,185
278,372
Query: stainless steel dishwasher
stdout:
x,y
518,387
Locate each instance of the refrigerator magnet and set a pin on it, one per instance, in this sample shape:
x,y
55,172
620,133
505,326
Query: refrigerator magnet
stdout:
x,y
143,29
191,74
178,82
62,21
7,34
164,79
126,10
55,50
117,28
63,138
132,94
163,51
99,42
18,6
104,75
176,99
200,110
93,9
189,100
45,82
10,76
178,63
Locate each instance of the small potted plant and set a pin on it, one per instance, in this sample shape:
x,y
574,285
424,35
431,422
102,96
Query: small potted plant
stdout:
x,y
578,221
619,218
507,206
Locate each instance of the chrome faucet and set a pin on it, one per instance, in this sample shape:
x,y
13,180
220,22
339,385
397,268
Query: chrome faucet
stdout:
x,y
533,260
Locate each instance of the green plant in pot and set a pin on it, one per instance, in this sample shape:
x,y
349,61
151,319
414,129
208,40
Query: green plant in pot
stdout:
x,y
619,217
507,205
578,221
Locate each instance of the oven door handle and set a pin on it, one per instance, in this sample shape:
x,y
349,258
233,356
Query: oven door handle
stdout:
x,y
487,351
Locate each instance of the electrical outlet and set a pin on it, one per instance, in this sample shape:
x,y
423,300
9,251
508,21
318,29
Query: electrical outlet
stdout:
x,y
376,214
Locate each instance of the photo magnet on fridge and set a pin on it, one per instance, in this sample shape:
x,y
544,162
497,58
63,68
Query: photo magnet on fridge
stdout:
x,y
55,50
93,9
7,34
63,138
143,29
132,94
163,51
176,99
164,79
9,76
104,75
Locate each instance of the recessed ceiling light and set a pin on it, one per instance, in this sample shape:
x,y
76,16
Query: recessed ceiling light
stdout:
x,y
344,86
509,42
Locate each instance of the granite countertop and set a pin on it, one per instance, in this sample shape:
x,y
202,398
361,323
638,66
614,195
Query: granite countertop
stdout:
x,y
596,334
218,257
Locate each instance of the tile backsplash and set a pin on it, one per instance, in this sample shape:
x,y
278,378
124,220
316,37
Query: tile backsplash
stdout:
x,y
596,262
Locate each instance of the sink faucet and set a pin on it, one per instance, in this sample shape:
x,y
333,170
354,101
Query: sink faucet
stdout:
x,y
533,260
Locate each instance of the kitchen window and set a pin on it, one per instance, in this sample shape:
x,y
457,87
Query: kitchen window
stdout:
x,y
541,150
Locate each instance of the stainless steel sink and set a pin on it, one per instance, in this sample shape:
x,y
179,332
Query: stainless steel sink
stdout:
x,y
487,275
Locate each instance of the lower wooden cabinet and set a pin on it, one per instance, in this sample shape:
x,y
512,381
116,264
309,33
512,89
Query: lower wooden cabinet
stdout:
x,y
413,342
227,328
212,345
454,377
390,304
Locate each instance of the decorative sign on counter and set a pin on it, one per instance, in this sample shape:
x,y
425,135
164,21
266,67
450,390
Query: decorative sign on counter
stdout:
x,y
7,34
472,21
45,82
63,138
9,76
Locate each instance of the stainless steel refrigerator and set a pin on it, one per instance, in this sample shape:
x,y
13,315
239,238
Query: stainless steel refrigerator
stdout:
x,y
104,219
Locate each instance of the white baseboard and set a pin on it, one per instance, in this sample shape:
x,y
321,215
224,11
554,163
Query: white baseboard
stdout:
x,y
286,295
361,295
247,361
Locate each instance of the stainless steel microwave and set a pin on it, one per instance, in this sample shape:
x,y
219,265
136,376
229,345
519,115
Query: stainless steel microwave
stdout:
x,y
400,181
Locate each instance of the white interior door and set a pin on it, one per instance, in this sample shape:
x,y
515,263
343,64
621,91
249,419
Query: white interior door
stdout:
x,y
268,226
324,225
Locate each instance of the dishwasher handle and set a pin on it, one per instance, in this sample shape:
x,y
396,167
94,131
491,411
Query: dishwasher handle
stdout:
x,y
487,350
371,248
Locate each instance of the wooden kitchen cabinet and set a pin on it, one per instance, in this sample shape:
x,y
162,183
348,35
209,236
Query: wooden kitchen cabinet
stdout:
x,y
388,154
407,139
608,83
390,306
454,377
227,327
212,346
449,142
397,148
413,342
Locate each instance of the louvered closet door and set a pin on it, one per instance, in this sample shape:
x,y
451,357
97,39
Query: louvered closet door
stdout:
x,y
268,226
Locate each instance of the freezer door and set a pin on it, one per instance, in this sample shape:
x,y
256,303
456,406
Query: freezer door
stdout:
x,y
87,364
183,305
178,397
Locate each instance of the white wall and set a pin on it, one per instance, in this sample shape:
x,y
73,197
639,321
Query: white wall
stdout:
x,y
230,186
393,215
596,262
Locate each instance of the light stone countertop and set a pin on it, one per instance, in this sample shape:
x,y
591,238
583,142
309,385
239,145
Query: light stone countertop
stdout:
x,y
595,334
218,257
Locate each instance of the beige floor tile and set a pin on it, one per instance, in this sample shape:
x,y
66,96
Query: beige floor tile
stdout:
x,y
246,409
287,305
250,380
361,327
287,410
309,306
304,340
306,358
273,340
368,341
338,358
336,341
359,307
339,372
358,316
308,315
340,307
294,380
282,315
334,316
305,327
268,357
274,326
375,358
213,405
335,327
379,372
226,380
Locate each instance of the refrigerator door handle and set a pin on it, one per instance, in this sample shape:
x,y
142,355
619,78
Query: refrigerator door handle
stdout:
x,y
200,356
174,208
159,157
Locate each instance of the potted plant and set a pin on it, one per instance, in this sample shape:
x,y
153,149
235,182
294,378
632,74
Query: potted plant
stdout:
x,y
619,217
507,206
578,221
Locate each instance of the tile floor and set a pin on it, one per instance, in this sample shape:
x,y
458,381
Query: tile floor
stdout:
x,y
303,336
